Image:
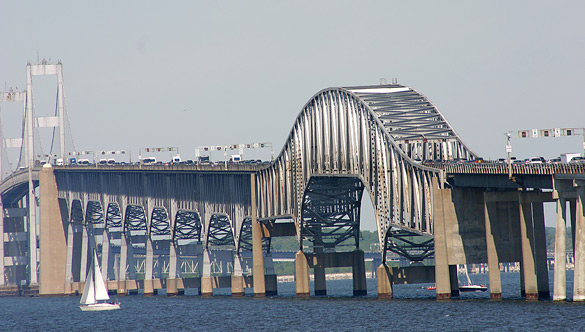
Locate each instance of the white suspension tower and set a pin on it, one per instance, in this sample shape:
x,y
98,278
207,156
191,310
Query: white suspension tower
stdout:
x,y
42,69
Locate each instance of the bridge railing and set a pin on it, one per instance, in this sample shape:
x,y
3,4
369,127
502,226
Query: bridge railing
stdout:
x,y
502,168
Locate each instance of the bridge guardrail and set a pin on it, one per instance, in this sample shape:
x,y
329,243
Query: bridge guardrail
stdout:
x,y
502,168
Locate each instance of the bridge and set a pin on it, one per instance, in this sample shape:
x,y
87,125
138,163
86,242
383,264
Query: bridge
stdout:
x,y
171,226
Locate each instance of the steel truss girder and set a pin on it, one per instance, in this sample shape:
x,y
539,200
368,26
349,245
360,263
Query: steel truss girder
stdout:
x,y
76,215
331,210
113,216
94,213
160,226
220,231
187,226
245,243
135,219
338,132
414,246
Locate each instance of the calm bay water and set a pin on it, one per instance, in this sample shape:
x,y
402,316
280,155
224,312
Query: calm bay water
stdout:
x,y
413,309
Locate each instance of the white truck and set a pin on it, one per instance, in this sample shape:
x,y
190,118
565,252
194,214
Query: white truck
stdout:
x,y
566,157
236,158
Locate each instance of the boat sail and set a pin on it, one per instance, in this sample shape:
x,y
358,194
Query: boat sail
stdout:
x,y
95,290
470,287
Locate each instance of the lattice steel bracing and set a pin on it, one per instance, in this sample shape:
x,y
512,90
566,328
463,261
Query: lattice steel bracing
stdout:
x,y
414,122
361,132
415,247
113,216
331,211
187,227
135,223
94,213
245,243
220,231
76,212
160,225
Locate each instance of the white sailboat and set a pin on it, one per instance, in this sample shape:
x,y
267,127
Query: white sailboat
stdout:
x,y
470,287
95,291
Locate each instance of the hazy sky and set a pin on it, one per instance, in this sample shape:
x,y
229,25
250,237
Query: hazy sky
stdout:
x,y
192,73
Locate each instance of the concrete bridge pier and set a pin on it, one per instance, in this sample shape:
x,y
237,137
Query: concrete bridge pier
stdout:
x,y
270,280
52,239
560,271
303,288
206,280
320,282
360,287
148,265
491,232
444,213
122,265
84,256
237,277
384,275
579,244
172,280
69,265
540,250
105,258
534,271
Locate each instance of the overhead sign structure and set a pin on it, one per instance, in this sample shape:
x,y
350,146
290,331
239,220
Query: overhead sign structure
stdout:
x,y
239,147
554,132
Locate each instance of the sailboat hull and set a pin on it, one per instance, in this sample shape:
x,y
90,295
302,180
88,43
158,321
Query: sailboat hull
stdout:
x,y
100,306
472,288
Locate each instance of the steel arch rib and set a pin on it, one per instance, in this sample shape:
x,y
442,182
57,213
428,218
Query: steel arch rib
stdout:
x,y
350,131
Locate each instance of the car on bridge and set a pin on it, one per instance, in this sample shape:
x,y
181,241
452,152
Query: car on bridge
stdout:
x,y
577,160
536,160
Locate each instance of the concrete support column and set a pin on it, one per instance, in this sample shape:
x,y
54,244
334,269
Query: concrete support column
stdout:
x,y
148,263
384,274
442,278
84,254
52,238
528,264
579,249
206,281
105,264
257,256
573,208
492,255
237,277
454,280
172,288
270,279
320,283
560,272
539,246
360,287
302,275
122,265
69,261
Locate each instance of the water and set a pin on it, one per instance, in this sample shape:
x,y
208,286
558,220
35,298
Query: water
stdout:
x,y
413,309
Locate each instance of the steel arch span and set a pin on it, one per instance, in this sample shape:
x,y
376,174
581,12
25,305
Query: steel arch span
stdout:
x,y
378,134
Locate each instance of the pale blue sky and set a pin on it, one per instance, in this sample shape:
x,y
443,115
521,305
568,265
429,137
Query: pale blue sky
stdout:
x,y
192,73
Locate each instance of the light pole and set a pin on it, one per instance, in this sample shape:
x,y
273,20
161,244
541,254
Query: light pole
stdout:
x,y
509,151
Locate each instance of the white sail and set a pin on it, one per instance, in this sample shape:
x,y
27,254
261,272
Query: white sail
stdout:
x,y
95,288
467,275
101,292
88,296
